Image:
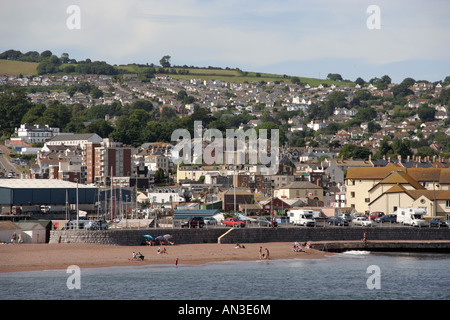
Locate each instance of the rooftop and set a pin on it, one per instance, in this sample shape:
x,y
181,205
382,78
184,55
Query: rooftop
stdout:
x,y
40,183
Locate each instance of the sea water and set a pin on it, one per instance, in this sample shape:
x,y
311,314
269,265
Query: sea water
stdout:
x,y
349,275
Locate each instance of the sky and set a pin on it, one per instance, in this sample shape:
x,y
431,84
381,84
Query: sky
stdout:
x,y
306,38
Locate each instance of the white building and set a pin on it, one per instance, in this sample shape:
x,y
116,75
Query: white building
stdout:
x,y
79,140
164,196
36,133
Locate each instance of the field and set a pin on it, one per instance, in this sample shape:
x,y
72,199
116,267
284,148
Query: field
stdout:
x,y
226,75
233,75
18,67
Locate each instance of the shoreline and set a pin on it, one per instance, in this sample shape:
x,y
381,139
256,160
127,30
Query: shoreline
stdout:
x,y
38,257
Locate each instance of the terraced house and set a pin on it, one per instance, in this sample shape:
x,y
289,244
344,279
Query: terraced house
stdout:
x,y
387,188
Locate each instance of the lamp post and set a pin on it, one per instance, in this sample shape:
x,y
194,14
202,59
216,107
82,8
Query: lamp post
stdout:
x,y
126,212
78,213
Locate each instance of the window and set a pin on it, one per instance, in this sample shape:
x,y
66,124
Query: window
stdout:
x,y
447,203
352,194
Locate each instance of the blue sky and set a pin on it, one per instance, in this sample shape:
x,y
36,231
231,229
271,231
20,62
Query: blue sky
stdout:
x,y
302,38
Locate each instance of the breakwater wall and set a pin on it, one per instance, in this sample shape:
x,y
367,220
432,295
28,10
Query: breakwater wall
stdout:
x,y
130,237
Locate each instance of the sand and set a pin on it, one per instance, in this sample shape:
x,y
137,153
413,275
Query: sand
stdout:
x,y
28,257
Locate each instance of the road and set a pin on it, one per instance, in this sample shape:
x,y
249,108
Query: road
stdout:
x,y
5,165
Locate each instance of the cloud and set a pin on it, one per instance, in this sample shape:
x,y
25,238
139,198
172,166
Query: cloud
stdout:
x,y
232,33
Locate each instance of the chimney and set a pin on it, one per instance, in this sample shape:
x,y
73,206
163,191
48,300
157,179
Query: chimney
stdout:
x,y
407,159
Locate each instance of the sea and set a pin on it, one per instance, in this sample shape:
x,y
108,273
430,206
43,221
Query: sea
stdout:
x,y
352,275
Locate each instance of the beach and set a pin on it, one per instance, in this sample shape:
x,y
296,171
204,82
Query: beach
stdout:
x,y
29,257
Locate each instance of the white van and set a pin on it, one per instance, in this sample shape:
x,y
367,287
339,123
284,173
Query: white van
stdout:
x,y
302,218
411,216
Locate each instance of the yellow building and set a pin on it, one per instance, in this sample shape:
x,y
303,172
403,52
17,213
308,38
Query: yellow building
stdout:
x,y
386,188
300,189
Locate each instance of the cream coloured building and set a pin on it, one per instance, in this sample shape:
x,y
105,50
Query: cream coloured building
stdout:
x,y
299,189
387,188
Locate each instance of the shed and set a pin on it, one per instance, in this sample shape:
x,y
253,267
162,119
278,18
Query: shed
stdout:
x,y
7,229
32,232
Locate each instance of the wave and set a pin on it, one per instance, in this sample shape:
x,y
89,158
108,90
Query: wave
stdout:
x,y
356,252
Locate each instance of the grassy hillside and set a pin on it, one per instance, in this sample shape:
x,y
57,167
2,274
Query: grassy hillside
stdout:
x,y
18,67
236,76
228,75
233,75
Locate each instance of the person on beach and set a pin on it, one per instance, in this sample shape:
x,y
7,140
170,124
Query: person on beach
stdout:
x,y
134,256
161,251
141,256
261,254
364,239
267,254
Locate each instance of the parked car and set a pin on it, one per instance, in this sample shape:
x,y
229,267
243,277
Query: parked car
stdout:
x,y
96,225
233,222
436,222
376,214
193,222
362,221
392,218
210,220
337,221
264,221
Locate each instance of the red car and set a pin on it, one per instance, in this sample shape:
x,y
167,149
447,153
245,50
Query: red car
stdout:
x,y
375,215
233,222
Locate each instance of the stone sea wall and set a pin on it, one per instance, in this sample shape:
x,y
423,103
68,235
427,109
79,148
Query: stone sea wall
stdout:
x,y
131,237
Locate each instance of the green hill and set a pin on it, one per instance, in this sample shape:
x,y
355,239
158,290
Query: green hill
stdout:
x,y
18,67
227,75
231,75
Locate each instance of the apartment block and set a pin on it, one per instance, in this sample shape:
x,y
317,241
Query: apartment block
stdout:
x,y
107,159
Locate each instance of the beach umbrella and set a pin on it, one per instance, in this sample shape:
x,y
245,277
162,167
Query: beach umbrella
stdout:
x,y
167,236
148,236
160,238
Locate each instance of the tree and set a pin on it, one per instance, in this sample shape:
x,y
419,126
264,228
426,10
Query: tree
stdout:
x,y
159,175
34,114
426,113
401,148
13,106
56,115
386,79
336,100
269,126
426,151
353,151
295,80
101,127
366,114
165,61
373,127
334,77
46,54
360,81
446,81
